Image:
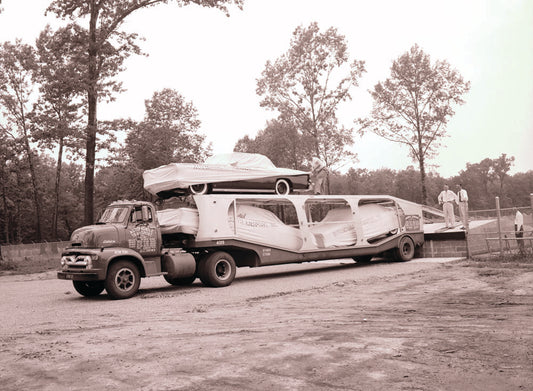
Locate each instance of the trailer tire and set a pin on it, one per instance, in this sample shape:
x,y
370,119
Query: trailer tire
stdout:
x,y
181,281
405,250
123,280
89,288
217,269
282,187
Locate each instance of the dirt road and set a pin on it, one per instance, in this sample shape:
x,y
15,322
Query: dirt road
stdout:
x,y
460,325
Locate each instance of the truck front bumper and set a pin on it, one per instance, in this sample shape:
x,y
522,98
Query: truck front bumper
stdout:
x,y
77,276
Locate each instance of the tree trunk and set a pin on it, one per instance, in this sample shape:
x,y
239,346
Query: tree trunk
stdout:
x,y
423,180
89,163
92,122
16,235
57,188
6,212
35,191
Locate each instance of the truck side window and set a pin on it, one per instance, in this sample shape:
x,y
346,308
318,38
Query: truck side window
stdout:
x,y
141,214
146,214
136,215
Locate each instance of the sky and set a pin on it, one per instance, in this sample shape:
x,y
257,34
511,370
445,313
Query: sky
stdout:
x,y
215,61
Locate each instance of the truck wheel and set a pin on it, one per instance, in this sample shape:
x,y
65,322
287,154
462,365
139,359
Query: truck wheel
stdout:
x,y
200,189
123,280
180,281
217,269
405,250
89,288
282,187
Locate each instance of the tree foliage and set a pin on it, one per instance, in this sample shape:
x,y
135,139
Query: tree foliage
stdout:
x,y
486,180
281,143
58,110
307,84
17,69
414,105
169,133
106,47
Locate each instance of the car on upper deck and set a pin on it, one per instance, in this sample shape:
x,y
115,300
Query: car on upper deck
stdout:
x,y
236,172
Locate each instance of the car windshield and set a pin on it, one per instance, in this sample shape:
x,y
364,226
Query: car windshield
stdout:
x,y
115,214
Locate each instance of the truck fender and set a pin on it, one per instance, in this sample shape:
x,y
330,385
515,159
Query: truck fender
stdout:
x,y
126,253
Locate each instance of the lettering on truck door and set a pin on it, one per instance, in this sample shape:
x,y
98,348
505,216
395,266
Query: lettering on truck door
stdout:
x,y
142,232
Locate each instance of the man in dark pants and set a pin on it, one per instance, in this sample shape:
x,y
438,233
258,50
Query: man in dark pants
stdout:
x,y
519,230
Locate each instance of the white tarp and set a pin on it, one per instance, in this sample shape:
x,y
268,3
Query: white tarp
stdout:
x,y
219,168
378,220
259,225
337,229
183,220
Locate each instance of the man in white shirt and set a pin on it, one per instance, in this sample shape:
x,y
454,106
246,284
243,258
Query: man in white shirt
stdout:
x,y
519,229
318,176
446,199
462,197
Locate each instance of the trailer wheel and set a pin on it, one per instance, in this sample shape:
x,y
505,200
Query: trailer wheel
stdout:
x,y
180,281
282,187
217,269
89,288
405,250
123,280
200,189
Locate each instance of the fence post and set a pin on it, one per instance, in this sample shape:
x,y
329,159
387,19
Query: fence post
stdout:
x,y
499,217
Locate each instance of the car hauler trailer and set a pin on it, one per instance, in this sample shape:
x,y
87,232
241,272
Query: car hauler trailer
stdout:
x,y
222,232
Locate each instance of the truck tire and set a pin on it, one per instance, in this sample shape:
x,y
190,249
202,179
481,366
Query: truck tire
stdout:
x,y
199,189
282,187
89,288
123,280
405,250
217,269
180,281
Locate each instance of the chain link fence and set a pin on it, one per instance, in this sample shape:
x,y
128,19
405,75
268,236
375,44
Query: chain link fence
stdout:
x,y
492,231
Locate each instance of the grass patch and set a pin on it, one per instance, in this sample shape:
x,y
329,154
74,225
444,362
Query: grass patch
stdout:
x,y
29,265
511,261
6,265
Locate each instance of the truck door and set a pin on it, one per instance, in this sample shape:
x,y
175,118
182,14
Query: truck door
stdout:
x,y
143,235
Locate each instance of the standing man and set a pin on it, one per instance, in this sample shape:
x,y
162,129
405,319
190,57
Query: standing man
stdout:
x,y
318,175
446,199
462,196
519,229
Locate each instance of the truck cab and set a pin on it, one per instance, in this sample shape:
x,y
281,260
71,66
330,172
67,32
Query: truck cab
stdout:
x,y
113,254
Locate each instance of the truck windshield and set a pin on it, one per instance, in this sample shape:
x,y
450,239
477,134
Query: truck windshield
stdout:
x,y
116,214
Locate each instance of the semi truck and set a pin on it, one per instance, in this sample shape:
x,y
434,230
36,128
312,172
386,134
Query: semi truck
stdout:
x,y
213,235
